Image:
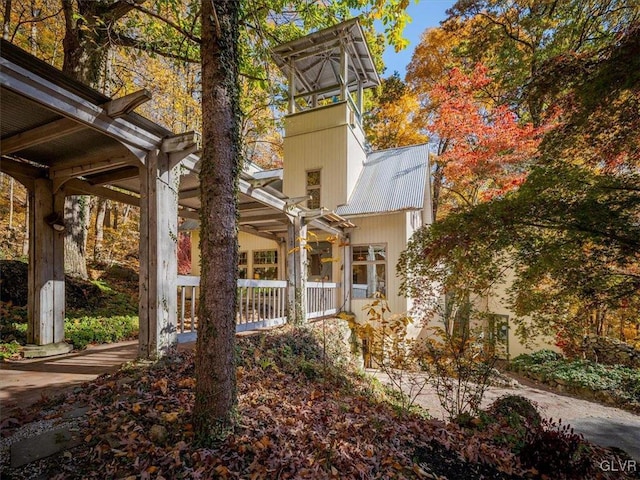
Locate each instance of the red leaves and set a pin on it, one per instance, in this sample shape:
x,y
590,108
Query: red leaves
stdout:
x,y
487,148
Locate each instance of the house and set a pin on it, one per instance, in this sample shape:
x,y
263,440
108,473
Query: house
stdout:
x,y
377,199
321,235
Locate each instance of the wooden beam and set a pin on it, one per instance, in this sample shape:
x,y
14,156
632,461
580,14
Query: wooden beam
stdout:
x,y
191,193
81,187
49,95
112,176
88,168
270,217
176,157
13,168
39,135
295,201
178,143
192,214
123,105
258,233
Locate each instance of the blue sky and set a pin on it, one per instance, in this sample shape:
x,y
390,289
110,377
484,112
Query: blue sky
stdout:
x,y
424,14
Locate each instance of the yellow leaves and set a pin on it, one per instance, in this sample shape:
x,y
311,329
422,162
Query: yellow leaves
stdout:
x,y
262,444
170,417
136,407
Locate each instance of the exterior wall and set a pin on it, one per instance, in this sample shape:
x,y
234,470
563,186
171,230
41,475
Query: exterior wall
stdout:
x,y
496,303
390,230
246,243
323,139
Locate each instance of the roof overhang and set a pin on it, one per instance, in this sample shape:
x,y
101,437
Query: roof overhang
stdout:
x,y
314,61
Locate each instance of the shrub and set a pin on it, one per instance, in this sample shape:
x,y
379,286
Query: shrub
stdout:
x,y
9,350
554,450
83,331
510,406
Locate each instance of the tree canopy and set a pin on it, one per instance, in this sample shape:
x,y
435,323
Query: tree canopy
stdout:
x,y
568,228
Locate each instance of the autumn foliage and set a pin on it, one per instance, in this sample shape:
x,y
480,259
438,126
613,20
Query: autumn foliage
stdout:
x,y
486,149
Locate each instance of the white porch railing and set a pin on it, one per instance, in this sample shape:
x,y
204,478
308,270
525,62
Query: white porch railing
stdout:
x,y
321,299
261,303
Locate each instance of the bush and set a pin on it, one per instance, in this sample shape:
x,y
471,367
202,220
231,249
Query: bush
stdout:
x,y
620,385
83,331
554,450
10,350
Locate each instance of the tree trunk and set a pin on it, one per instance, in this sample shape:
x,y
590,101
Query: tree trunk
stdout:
x,y
86,44
76,219
213,413
99,226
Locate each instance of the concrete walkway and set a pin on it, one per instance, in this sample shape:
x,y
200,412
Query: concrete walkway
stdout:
x,y
600,424
24,382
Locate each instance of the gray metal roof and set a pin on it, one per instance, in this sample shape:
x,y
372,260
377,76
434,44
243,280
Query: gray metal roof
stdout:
x,y
391,180
316,60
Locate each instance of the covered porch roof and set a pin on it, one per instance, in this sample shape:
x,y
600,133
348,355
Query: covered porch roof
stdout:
x,y
86,143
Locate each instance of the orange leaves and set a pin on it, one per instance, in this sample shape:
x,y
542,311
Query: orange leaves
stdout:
x,y
187,383
161,385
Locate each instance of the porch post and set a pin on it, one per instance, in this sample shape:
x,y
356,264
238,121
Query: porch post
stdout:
x,y
297,270
347,278
46,302
158,256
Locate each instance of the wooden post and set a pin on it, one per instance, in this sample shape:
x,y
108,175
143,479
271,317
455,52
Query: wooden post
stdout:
x,y
46,302
292,87
344,73
347,279
158,309
297,271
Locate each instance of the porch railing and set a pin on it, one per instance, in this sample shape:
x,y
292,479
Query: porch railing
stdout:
x,y
261,303
321,299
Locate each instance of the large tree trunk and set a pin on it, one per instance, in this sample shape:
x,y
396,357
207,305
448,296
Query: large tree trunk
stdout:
x,y
101,211
86,43
215,363
76,219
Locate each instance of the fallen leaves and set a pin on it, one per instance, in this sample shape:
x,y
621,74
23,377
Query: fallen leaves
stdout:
x,y
289,426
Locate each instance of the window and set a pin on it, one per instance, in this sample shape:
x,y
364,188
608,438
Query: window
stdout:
x,y
368,271
243,267
313,188
497,331
265,264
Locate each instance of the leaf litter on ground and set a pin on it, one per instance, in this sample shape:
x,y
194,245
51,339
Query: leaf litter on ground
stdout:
x,y
299,417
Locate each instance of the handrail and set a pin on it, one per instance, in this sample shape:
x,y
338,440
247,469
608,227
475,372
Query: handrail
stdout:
x,y
261,303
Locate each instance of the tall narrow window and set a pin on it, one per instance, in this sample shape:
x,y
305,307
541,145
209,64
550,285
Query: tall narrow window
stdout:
x,y
313,188
243,266
369,271
265,264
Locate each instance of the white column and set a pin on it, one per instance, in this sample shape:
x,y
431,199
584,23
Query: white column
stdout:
x,y
344,73
158,256
297,270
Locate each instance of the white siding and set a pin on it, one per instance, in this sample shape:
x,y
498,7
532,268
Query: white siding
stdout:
x,y
322,139
390,230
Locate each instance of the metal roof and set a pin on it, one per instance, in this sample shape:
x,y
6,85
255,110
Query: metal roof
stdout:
x,y
391,180
315,59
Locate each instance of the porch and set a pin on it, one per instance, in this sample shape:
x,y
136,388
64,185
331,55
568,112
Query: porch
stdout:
x,y
261,304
